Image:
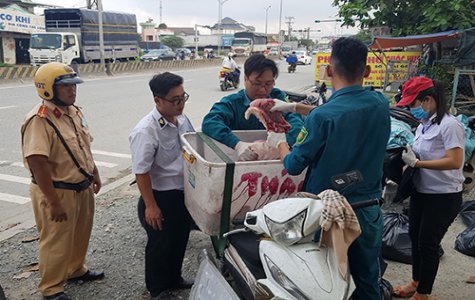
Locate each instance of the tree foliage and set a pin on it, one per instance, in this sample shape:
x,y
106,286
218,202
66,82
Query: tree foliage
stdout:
x,y
162,26
364,36
407,17
172,41
306,43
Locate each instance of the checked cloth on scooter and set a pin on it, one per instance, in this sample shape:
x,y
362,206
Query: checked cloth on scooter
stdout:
x,y
340,227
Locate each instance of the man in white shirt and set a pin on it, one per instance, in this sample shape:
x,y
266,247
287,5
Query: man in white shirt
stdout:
x,y
158,167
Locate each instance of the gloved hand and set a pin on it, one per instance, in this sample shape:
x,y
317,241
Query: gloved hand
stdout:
x,y
409,157
283,106
244,152
274,139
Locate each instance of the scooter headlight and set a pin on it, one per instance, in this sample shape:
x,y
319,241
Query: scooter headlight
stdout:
x,y
284,281
288,232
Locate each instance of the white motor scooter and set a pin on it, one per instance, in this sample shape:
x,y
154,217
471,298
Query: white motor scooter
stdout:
x,y
275,256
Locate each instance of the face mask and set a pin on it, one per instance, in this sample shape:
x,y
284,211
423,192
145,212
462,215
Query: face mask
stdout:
x,y
419,113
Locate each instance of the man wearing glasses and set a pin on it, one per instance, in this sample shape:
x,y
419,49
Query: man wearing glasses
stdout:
x,y
158,167
228,114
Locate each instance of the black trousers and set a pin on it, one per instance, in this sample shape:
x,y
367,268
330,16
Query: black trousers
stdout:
x,y
165,249
430,215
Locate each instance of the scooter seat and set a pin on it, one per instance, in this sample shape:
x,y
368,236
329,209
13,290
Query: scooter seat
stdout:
x,y
295,97
247,245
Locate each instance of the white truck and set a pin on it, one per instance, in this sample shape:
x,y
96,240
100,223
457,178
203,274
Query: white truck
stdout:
x,y
72,36
247,43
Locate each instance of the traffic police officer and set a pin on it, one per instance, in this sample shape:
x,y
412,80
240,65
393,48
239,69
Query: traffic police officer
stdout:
x,y
158,167
228,114
56,147
350,132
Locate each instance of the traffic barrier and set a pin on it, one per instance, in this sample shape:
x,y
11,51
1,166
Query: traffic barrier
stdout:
x,y
137,66
23,72
17,72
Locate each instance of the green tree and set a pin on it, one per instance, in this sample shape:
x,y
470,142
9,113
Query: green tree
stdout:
x,y
365,36
162,26
407,17
172,41
307,43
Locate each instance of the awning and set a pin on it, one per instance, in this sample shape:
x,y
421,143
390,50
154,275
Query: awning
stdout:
x,y
385,42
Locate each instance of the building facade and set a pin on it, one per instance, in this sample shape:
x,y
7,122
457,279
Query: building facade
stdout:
x,y
17,23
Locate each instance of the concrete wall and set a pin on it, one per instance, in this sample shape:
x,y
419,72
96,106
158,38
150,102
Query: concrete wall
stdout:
x,y
8,45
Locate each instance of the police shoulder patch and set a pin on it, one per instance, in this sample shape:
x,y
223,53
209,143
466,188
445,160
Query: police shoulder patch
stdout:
x,y
302,135
42,111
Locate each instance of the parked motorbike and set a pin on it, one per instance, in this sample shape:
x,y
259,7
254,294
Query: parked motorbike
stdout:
x,y
226,79
274,256
292,67
315,96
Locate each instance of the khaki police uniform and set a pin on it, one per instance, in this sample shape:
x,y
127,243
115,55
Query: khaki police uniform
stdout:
x,y
62,245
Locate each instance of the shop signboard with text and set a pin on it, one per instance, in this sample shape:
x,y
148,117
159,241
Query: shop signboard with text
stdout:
x,y
14,21
378,68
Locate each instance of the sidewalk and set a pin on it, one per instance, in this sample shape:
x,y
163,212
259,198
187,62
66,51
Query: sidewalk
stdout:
x,y
117,246
118,243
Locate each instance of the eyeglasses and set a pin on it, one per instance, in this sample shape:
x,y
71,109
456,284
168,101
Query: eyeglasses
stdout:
x,y
176,100
266,85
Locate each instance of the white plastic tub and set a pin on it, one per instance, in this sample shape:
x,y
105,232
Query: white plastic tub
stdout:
x,y
255,183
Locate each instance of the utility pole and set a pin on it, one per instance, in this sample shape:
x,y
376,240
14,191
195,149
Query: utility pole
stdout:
x,y
196,39
101,37
280,30
267,10
220,16
160,12
92,4
289,23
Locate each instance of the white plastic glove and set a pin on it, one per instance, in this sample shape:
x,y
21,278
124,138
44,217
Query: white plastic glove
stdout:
x,y
244,152
283,106
409,157
274,139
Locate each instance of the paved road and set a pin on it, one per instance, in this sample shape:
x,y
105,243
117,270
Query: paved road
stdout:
x,y
112,106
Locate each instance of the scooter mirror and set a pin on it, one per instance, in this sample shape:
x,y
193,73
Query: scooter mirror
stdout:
x,y
251,220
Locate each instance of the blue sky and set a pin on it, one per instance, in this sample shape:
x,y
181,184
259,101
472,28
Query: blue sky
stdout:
x,y
186,13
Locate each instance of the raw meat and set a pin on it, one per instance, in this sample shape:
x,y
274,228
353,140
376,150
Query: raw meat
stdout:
x,y
272,121
264,151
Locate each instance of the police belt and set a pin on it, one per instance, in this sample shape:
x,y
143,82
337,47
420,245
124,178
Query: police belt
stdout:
x,y
80,186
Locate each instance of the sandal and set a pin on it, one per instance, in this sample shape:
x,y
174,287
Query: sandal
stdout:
x,y
417,296
405,291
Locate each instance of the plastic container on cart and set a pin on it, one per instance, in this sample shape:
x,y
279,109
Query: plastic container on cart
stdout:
x,y
255,183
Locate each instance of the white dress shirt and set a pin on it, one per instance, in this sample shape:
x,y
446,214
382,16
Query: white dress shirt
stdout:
x,y
156,148
431,142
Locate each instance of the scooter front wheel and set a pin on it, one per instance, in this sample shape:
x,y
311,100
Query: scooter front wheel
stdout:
x,y
223,86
